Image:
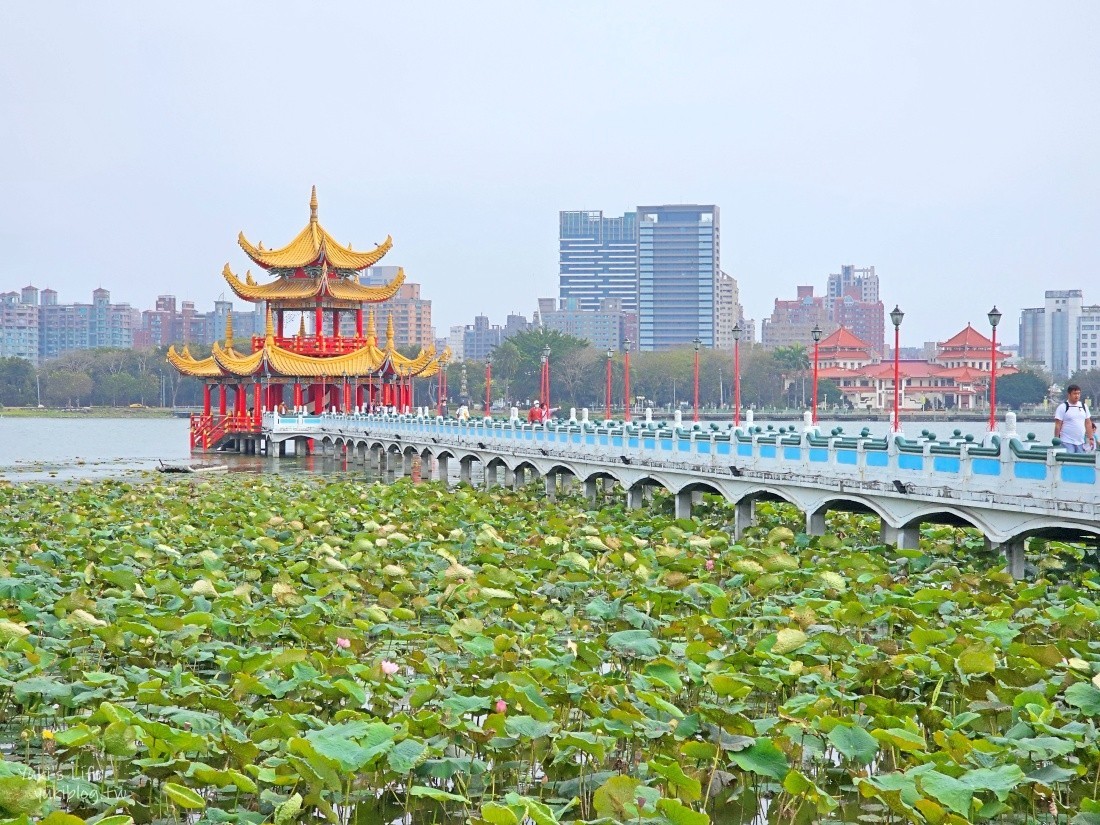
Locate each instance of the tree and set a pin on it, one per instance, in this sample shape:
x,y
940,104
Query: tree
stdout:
x,y
1087,380
66,388
17,383
1021,388
518,360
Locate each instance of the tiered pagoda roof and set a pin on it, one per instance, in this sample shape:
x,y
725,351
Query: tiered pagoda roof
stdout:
x,y
275,360
314,265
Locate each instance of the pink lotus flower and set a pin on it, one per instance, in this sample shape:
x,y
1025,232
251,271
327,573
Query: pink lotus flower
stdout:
x,y
388,668
342,643
710,564
501,706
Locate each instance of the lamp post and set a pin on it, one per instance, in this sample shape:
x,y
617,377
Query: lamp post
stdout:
x,y
610,355
994,319
545,390
736,375
695,381
488,384
896,316
626,379
816,333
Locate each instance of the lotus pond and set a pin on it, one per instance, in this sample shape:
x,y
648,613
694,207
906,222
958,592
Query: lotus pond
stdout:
x,y
276,649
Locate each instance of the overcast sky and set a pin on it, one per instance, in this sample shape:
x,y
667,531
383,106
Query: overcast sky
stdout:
x,y
954,146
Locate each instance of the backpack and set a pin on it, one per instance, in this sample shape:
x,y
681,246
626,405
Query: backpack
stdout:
x,y
1065,405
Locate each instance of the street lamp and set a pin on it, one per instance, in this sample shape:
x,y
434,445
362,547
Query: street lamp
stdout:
x,y
626,379
695,380
736,375
816,333
488,383
545,389
896,317
610,355
994,319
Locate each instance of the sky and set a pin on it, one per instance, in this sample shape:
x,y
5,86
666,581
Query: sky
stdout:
x,y
953,146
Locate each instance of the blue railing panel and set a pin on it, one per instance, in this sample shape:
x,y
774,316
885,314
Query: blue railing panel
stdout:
x,y
847,457
1078,474
1034,471
945,464
907,461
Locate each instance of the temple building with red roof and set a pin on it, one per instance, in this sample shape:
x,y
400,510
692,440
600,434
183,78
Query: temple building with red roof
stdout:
x,y
957,377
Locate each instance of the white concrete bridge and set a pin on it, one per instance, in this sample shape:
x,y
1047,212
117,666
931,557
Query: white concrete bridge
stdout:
x,y
1009,488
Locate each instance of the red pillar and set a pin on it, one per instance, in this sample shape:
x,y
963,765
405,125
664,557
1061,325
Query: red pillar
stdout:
x,y
241,404
297,395
347,397
359,323
206,400
359,397
336,323
319,321
223,402
257,405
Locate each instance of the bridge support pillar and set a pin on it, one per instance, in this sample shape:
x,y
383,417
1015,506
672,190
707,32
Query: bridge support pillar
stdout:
x,y
815,524
591,488
519,478
443,463
744,517
374,460
407,461
392,460
683,504
904,538
551,486
464,470
490,476
635,497
1014,556
697,497
426,468
282,449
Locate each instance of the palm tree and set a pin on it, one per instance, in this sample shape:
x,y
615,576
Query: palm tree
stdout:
x,y
793,361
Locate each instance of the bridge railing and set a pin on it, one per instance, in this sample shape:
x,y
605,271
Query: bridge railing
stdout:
x,y
1000,467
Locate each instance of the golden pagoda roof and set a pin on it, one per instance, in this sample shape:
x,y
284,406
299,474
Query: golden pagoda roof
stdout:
x,y
312,246
224,361
289,288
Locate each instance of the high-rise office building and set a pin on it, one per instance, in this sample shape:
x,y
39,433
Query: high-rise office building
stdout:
x,y
412,315
678,264
597,259
1032,335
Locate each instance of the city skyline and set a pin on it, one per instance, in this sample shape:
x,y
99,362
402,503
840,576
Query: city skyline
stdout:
x,y
943,144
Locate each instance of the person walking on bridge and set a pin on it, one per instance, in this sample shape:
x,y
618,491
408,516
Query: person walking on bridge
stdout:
x,y
1073,424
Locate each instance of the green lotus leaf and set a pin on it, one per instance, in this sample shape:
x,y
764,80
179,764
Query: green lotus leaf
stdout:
x,y
1085,696
854,743
762,758
183,796
639,643
948,791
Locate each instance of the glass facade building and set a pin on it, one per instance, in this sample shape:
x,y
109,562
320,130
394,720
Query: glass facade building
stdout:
x,y
678,262
597,259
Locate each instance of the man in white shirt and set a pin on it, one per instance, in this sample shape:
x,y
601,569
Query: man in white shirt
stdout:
x,y
1073,424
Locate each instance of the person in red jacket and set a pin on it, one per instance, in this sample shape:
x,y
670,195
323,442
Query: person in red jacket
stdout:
x,y
535,414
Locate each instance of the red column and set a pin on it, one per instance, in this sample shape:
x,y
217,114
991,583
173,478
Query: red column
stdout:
x,y
626,382
206,400
222,400
359,396
336,323
359,323
347,397
297,395
241,405
257,405
319,321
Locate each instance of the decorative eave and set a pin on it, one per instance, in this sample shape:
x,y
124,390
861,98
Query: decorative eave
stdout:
x,y
291,289
189,365
312,246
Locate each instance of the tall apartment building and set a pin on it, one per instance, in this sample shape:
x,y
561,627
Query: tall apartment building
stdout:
x,y
792,322
597,259
729,313
456,342
605,328
678,264
852,296
167,325
19,324
66,327
412,315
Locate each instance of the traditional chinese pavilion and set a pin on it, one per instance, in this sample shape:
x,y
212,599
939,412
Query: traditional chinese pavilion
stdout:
x,y
330,367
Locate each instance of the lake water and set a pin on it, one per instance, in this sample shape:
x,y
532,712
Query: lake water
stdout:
x,y
44,449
